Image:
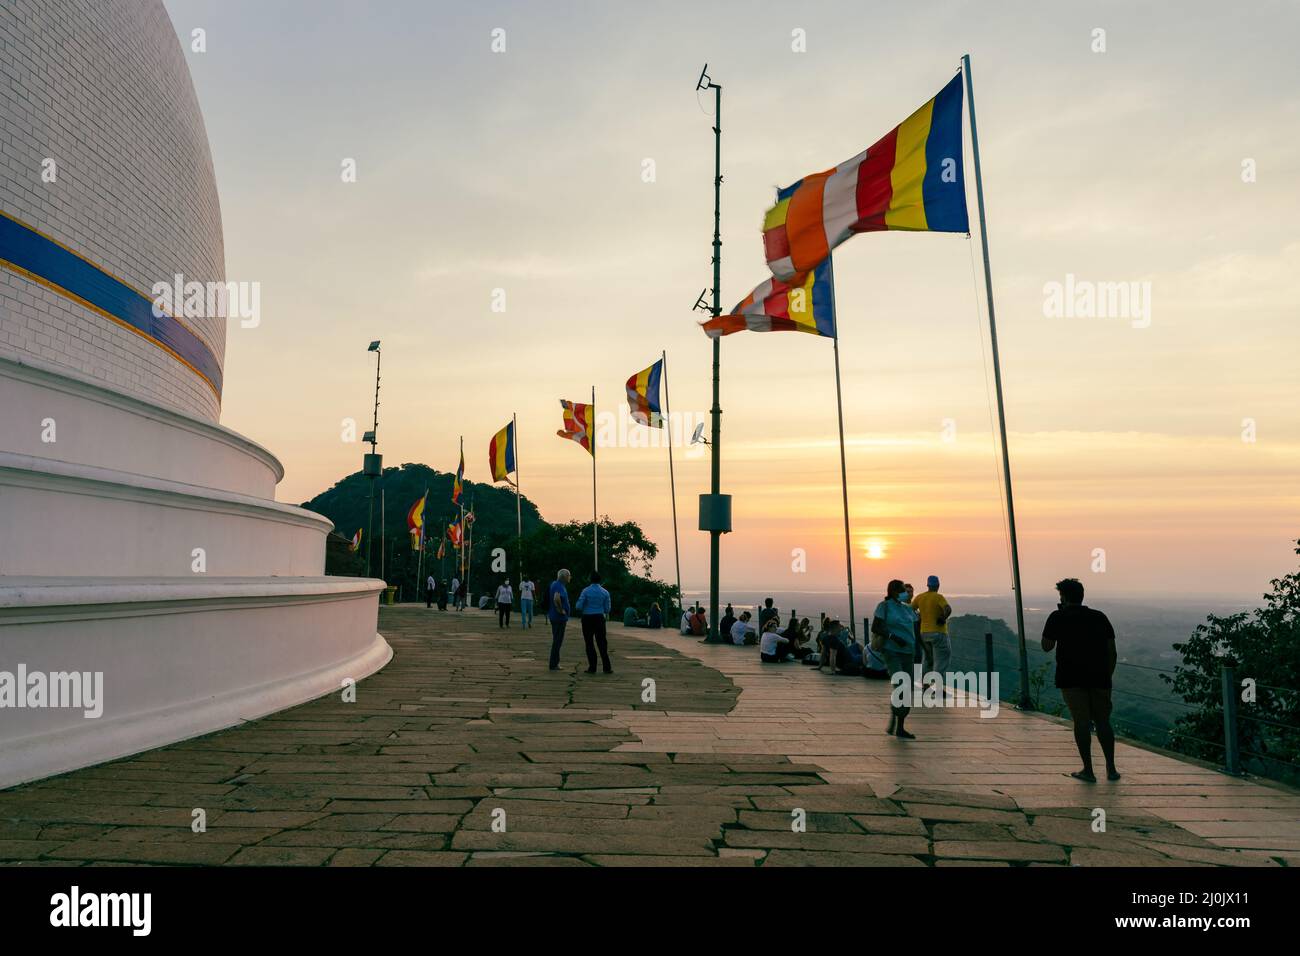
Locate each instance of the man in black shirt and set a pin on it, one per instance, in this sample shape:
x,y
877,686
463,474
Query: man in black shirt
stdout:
x,y
1085,660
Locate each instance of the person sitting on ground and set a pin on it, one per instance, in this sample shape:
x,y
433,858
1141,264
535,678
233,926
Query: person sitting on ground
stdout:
x,y
874,666
742,632
656,620
1084,641
484,602
792,627
685,626
772,646
699,623
631,618
800,639
728,621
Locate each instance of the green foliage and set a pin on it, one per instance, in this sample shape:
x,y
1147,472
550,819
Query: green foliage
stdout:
x,y
625,557
625,551
1264,647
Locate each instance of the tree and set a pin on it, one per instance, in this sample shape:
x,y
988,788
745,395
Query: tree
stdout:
x,y
1263,646
625,557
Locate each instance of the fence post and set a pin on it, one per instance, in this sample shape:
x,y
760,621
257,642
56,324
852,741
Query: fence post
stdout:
x,y
1232,761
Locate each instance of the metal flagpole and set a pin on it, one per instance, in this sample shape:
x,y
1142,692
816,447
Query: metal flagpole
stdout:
x,y
715,508
595,524
519,519
1025,702
381,536
844,470
672,479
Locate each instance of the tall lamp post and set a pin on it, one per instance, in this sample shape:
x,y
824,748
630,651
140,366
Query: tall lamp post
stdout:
x,y
715,507
373,465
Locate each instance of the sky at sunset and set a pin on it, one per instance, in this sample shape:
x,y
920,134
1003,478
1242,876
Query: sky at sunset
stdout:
x,y
523,171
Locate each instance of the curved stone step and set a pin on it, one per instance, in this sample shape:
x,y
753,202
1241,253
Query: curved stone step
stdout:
x,y
93,425
58,518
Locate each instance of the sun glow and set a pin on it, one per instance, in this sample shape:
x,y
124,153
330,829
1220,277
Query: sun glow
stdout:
x,y
875,549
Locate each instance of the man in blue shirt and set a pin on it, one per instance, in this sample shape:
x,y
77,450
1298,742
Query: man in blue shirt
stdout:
x,y
557,609
593,604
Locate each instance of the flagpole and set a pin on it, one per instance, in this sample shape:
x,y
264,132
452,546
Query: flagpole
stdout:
x,y
595,524
519,515
844,468
381,536
1025,702
672,478
715,507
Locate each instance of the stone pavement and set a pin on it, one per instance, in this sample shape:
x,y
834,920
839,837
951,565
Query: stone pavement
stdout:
x,y
466,728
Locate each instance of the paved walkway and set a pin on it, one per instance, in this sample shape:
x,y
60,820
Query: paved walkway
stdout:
x,y
731,763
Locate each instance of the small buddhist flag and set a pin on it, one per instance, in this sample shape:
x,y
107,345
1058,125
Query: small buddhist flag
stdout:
x,y
454,533
442,548
355,543
643,396
501,453
457,484
910,180
579,423
805,305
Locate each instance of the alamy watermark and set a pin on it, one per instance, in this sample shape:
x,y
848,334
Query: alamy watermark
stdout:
x,y
979,689
77,690
1085,299
209,300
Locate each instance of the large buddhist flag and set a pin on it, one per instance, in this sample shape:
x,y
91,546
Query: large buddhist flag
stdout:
x,y
501,453
355,543
643,395
911,180
458,482
805,305
579,423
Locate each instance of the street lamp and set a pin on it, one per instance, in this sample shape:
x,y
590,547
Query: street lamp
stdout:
x,y
373,463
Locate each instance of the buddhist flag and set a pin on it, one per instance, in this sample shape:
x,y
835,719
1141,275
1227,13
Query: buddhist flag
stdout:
x,y
355,543
643,395
911,180
442,548
458,482
501,453
415,517
453,532
805,305
579,423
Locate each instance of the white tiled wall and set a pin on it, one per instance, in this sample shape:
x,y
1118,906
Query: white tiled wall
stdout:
x,y
102,88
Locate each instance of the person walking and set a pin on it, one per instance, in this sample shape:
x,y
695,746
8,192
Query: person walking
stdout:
x,y
934,611
505,601
1084,641
895,622
593,607
526,591
429,586
557,611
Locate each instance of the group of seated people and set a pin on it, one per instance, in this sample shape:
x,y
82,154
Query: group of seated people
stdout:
x,y
833,644
632,617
